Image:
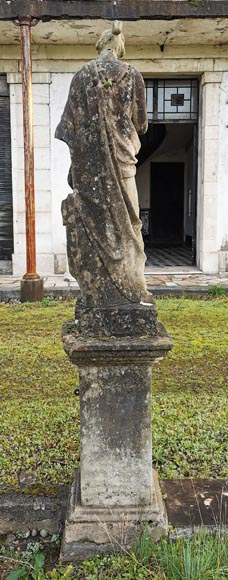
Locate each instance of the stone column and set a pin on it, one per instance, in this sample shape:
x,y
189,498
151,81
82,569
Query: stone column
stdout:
x,y
116,490
223,178
208,172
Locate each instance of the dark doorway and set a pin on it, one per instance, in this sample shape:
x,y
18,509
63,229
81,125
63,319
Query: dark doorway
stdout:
x,y
167,201
167,172
6,205
166,182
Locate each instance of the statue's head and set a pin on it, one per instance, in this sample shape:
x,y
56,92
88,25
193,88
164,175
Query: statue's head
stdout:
x,y
112,39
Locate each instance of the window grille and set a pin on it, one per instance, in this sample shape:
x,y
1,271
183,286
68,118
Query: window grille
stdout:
x,y
172,100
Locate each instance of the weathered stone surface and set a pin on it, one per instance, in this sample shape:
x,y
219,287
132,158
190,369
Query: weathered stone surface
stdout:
x,y
22,512
115,337
126,320
125,10
115,402
129,350
104,113
93,530
116,446
189,503
116,455
192,503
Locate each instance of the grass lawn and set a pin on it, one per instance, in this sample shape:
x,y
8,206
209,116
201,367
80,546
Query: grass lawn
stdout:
x,y
39,413
201,557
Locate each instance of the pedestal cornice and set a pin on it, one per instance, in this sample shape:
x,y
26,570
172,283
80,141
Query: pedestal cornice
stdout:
x,y
114,350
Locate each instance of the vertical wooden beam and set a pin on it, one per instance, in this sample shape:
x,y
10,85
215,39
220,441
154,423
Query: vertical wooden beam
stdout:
x,y
31,284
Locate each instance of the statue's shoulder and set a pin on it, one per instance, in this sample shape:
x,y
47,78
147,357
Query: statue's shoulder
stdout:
x,y
131,69
135,72
85,70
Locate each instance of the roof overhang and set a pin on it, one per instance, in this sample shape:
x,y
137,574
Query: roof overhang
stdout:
x,y
111,9
138,33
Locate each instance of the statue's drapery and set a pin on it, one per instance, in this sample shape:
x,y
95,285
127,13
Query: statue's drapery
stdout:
x,y
103,115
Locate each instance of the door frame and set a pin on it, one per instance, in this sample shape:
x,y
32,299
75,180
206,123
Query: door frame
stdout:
x,y
195,123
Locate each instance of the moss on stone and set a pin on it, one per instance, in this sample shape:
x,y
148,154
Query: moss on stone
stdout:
x,y
38,489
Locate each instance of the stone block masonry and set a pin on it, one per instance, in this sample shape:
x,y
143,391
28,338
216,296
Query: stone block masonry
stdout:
x,y
41,108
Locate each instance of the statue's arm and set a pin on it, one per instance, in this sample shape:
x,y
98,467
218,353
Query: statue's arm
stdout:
x,y
65,131
139,110
70,178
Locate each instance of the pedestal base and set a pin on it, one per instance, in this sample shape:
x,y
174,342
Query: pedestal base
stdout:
x,y
32,290
117,493
119,321
99,530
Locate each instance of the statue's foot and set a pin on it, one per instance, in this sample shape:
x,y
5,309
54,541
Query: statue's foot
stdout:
x,y
147,298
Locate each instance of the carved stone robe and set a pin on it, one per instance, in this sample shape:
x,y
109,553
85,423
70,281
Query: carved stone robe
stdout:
x,y
103,115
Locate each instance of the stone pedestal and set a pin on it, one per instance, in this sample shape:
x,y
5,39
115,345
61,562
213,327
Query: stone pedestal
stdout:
x,y
116,491
99,530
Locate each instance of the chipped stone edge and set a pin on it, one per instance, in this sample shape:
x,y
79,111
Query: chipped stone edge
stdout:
x,y
85,524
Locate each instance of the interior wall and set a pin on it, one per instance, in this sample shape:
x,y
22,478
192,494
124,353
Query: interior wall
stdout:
x,y
188,217
143,183
176,147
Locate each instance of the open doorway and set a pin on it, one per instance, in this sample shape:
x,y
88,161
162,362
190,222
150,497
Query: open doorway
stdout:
x,y
6,204
167,201
166,176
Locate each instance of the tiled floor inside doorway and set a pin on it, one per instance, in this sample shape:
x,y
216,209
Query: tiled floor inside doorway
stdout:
x,y
171,256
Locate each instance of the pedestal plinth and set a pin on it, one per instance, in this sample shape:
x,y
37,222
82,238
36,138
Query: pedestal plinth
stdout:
x,y
116,490
91,530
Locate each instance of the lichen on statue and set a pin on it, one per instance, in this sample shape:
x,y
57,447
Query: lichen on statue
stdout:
x,y
104,114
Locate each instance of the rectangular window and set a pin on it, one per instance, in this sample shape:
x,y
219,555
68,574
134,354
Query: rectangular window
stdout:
x,y
172,100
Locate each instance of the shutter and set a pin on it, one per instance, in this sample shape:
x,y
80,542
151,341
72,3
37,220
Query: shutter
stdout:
x,y
6,206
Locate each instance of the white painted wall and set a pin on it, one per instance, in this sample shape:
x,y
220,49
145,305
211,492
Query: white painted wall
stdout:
x,y
60,163
53,69
41,110
209,152
169,151
223,176
143,184
52,161
188,191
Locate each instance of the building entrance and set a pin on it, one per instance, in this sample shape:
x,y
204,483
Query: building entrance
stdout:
x,y
167,201
6,206
166,173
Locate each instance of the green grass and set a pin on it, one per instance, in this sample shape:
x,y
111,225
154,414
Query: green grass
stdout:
x,y
201,557
39,413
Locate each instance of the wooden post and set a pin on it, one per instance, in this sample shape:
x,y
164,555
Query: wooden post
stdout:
x,y
31,284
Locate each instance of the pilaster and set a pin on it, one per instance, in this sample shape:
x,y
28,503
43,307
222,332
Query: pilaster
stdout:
x,y
209,168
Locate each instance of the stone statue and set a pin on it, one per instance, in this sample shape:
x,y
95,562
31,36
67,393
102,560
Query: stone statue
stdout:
x,y
115,337
104,113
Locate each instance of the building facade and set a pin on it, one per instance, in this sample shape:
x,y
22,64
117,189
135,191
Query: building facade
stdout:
x,y
182,176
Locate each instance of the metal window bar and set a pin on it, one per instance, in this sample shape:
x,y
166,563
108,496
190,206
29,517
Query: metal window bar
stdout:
x,y
161,105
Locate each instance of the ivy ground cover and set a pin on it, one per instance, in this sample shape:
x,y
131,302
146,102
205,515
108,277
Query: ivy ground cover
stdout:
x,y
39,412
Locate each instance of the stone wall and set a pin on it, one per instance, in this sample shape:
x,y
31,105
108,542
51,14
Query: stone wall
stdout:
x,y
43,196
53,67
223,176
